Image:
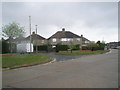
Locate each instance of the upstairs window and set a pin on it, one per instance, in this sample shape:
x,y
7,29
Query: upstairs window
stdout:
x,y
42,41
54,40
63,39
86,41
70,39
78,39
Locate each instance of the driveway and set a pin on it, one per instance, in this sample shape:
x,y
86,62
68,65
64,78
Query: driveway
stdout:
x,y
96,71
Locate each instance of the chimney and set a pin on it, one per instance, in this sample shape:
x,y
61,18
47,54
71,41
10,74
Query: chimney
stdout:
x,y
63,29
33,32
81,35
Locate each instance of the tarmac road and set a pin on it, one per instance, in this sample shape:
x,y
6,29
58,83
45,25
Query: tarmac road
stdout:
x,y
63,57
96,71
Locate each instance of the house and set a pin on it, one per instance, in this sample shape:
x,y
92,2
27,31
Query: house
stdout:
x,y
36,39
67,38
113,44
61,37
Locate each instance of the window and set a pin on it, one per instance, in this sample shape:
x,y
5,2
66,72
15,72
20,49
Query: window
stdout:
x,y
78,39
54,39
42,41
70,39
86,41
63,39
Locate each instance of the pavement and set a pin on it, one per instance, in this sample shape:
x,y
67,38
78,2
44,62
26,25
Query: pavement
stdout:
x,y
96,71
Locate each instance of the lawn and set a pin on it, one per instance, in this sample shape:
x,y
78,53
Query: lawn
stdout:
x,y
24,59
82,52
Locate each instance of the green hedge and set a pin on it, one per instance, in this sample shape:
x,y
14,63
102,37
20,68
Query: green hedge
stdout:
x,y
41,48
61,47
93,48
7,46
76,47
66,47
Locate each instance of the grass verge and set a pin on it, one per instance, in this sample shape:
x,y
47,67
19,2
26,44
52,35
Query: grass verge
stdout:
x,y
82,52
25,59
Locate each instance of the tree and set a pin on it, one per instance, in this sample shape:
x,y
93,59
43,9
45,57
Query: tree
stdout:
x,y
98,43
101,44
12,30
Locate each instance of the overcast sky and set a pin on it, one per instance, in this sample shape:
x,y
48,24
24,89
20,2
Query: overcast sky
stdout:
x,y
95,20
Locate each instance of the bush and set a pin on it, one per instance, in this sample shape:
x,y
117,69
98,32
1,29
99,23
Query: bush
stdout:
x,y
86,48
76,47
6,47
93,48
61,47
41,48
66,47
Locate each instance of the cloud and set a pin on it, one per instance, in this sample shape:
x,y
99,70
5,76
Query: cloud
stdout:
x,y
92,19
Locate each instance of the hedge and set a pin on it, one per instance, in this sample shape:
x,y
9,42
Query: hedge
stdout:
x,y
93,48
6,47
61,47
66,47
76,47
41,48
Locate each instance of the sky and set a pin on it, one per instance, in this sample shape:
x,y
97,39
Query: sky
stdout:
x,y
94,20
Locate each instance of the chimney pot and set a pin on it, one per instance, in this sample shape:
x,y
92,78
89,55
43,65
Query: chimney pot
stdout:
x,y
63,29
33,33
81,35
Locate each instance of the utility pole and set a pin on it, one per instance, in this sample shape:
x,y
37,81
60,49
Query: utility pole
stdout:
x,y
81,39
30,32
36,39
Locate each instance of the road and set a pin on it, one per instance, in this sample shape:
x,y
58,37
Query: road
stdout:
x,y
63,57
96,71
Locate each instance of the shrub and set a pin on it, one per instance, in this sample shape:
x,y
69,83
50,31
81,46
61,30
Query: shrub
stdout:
x,y
6,47
93,48
61,47
41,48
76,47
66,47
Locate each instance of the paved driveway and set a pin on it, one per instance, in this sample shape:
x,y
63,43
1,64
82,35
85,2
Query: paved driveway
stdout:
x,y
96,71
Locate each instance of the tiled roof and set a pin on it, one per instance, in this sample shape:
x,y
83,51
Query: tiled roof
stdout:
x,y
64,34
34,36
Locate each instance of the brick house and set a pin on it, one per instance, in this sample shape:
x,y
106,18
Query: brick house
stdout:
x,y
67,38
61,37
36,39
113,44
